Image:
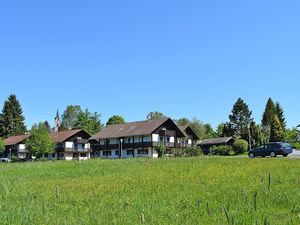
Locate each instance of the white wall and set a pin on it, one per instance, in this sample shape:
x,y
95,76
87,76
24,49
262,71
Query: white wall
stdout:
x,y
155,137
172,139
68,156
22,147
69,145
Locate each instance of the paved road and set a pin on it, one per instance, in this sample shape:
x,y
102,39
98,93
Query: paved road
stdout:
x,y
296,153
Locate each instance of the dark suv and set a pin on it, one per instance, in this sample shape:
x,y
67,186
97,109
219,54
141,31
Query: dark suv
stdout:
x,y
271,149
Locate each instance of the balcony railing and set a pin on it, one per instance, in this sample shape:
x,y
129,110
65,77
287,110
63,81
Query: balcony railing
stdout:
x,y
77,149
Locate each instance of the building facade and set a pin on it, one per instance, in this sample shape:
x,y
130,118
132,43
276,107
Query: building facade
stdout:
x,y
15,146
136,139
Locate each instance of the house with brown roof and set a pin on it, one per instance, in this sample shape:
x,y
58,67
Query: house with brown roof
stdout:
x,y
70,144
136,139
15,145
190,139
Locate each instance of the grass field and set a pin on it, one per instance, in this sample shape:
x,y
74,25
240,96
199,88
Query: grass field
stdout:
x,y
204,190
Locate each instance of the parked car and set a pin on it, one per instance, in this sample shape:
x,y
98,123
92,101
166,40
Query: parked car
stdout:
x,y
272,149
5,160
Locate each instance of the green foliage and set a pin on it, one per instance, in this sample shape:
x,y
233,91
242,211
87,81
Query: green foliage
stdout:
x,y
2,146
88,121
268,114
291,135
46,123
280,114
186,152
277,133
240,146
240,118
161,150
155,115
116,119
296,145
221,150
182,122
39,142
180,191
70,116
257,136
11,118
228,130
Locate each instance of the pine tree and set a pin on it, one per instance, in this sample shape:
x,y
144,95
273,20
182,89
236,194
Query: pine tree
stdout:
x,y
268,114
240,118
277,133
11,118
280,114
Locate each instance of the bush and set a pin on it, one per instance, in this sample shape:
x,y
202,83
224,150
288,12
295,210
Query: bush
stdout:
x,y
186,152
160,149
240,146
221,150
14,158
296,145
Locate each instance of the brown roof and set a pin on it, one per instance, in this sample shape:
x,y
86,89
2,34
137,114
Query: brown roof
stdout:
x,y
216,141
145,127
62,136
188,130
14,140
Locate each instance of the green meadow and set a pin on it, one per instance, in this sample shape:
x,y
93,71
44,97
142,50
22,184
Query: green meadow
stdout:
x,y
202,190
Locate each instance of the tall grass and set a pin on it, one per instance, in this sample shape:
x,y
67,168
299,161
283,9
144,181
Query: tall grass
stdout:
x,y
204,190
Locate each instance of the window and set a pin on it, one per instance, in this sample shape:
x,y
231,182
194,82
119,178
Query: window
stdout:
x,y
128,140
143,151
161,139
117,152
130,152
107,153
168,140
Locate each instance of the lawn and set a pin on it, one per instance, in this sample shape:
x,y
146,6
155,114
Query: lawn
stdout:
x,y
204,190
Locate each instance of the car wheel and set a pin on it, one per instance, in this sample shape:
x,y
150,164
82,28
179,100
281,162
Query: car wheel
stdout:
x,y
273,154
285,155
251,155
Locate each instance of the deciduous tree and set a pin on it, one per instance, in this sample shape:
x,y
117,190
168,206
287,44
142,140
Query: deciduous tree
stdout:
x,y
69,117
155,115
39,142
116,119
277,133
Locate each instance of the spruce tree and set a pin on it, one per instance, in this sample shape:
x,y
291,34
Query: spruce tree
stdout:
x,y
276,133
280,114
268,114
240,118
11,118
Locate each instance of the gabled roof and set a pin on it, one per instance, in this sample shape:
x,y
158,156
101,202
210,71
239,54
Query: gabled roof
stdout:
x,y
188,130
62,136
216,141
145,127
14,140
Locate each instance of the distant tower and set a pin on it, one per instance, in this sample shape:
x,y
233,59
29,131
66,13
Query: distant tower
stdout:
x,y
57,122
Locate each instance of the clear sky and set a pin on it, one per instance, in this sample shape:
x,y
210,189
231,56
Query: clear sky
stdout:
x,y
184,58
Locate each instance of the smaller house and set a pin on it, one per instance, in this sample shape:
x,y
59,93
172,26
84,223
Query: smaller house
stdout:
x,y
15,146
190,139
71,144
206,144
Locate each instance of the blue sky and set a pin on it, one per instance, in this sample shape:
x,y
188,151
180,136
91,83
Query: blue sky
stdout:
x,y
184,58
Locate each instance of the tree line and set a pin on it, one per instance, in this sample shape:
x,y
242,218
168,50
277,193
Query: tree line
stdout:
x,y
271,128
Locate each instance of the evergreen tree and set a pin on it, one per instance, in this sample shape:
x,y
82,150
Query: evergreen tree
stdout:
x,y
88,121
46,123
11,118
277,133
268,114
116,119
280,114
240,118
